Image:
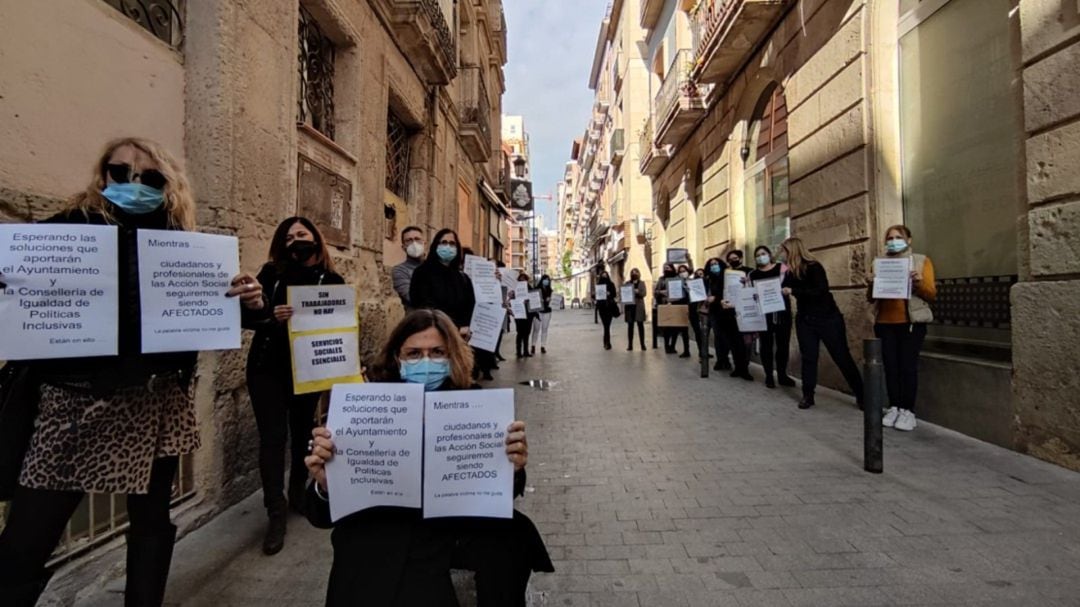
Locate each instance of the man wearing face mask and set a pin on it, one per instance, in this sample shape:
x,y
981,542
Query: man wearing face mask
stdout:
x,y
412,242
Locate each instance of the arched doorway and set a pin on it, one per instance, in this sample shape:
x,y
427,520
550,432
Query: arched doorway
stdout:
x,y
767,211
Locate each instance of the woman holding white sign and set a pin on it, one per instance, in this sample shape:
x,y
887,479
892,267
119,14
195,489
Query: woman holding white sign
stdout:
x,y
817,320
390,556
776,340
543,320
298,257
606,307
112,424
901,326
635,312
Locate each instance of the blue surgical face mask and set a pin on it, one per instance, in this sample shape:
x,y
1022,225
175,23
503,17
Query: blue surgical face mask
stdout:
x,y
896,245
446,252
431,373
763,260
134,198
714,268
546,282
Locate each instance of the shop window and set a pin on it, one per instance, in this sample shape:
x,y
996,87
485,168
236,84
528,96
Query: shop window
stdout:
x,y
765,193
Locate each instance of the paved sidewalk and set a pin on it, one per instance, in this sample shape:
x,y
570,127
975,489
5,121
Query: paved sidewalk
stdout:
x,y
654,487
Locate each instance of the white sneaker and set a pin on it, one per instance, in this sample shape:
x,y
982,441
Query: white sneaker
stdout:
x,y
906,421
889,420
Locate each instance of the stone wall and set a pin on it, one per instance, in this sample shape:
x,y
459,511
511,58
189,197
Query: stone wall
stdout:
x,y
1046,305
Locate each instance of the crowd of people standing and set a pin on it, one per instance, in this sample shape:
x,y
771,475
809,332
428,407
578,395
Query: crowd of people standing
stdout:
x,y
809,309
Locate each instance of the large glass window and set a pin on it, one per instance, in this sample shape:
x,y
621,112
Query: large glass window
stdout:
x,y
765,192
960,128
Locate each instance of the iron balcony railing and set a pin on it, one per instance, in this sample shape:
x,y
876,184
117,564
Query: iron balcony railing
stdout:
x,y
440,20
475,105
709,18
677,85
162,18
645,137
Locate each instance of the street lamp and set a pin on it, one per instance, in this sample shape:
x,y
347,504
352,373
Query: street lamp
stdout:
x,y
519,167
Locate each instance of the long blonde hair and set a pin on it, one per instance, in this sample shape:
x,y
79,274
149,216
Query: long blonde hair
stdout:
x,y
179,200
797,256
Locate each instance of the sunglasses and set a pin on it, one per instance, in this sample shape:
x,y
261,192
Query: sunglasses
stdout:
x,y
123,173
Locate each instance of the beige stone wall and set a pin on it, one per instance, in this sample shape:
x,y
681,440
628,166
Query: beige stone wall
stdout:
x,y
64,62
1046,306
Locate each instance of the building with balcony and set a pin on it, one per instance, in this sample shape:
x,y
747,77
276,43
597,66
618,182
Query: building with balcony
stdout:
x,y
833,119
364,116
515,138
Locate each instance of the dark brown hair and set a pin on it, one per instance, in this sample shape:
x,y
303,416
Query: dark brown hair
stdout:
x,y
387,366
903,229
279,256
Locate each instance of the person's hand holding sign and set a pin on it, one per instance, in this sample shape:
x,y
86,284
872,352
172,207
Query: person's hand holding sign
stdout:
x,y
322,450
283,313
517,446
248,290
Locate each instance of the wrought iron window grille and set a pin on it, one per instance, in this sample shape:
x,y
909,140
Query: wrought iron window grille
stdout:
x,y
398,137
315,102
162,18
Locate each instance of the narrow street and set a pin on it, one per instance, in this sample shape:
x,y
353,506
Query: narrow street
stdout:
x,y
654,487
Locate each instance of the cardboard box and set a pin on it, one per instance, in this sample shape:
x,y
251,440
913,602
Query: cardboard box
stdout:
x,y
672,315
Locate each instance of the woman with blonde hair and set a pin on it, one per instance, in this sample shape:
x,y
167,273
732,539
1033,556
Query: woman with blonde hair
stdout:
x,y
817,320
901,326
392,556
112,424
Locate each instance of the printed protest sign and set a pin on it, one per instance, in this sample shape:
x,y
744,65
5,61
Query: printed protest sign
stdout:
x,y
378,432
324,337
61,299
466,470
183,279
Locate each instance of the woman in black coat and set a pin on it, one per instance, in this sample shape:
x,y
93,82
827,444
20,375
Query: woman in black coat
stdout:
x,y
391,556
439,283
298,257
607,307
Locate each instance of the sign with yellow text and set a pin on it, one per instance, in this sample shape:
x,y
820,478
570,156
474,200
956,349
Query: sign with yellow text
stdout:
x,y
324,337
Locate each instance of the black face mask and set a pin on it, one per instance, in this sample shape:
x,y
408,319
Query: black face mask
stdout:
x,y
301,251
735,263
669,273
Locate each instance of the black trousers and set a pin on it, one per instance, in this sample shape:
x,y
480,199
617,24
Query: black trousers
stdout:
x,y
671,338
719,340
605,319
776,343
631,314
485,361
733,341
282,418
695,324
900,346
655,329
812,331
37,517
524,330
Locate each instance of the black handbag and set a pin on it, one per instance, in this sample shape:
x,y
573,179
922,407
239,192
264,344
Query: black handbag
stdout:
x,y
20,394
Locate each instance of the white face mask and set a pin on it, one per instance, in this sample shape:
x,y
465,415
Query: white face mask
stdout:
x,y
415,250
683,275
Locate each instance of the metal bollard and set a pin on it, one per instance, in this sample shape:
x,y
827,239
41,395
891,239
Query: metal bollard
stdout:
x,y
703,346
873,399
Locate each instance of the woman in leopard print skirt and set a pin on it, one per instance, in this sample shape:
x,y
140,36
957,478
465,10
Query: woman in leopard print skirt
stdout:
x,y
112,424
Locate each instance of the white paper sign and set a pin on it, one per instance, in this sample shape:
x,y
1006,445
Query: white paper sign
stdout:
x,y
486,325
378,444
62,298
470,264
892,278
601,292
697,290
521,289
627,294
517,308
733,279
322,307
466,470
770,295
509,278
748,314
486,286
322,356
675,289
534,301
183,278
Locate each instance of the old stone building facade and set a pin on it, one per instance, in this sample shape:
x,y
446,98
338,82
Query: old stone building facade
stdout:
x,y
366,116
832,119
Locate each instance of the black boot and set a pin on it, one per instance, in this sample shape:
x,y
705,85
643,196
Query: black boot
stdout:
x,y
148,560
784,380
275,529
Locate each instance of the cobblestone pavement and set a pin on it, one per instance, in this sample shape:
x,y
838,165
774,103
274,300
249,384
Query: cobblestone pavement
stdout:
x,y
654,487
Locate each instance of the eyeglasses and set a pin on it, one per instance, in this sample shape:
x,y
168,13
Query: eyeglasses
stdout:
x,y
417,354
445,241
123,173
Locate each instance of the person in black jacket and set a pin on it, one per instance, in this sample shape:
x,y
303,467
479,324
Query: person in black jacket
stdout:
x,y
523,326
607,307
298,257
543,318
722,310
817,320
440,284
776,340
393,557
112,424
684,332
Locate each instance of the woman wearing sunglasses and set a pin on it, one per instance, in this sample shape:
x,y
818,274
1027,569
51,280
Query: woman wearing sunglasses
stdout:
x,y
298,257
112,424
392,557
